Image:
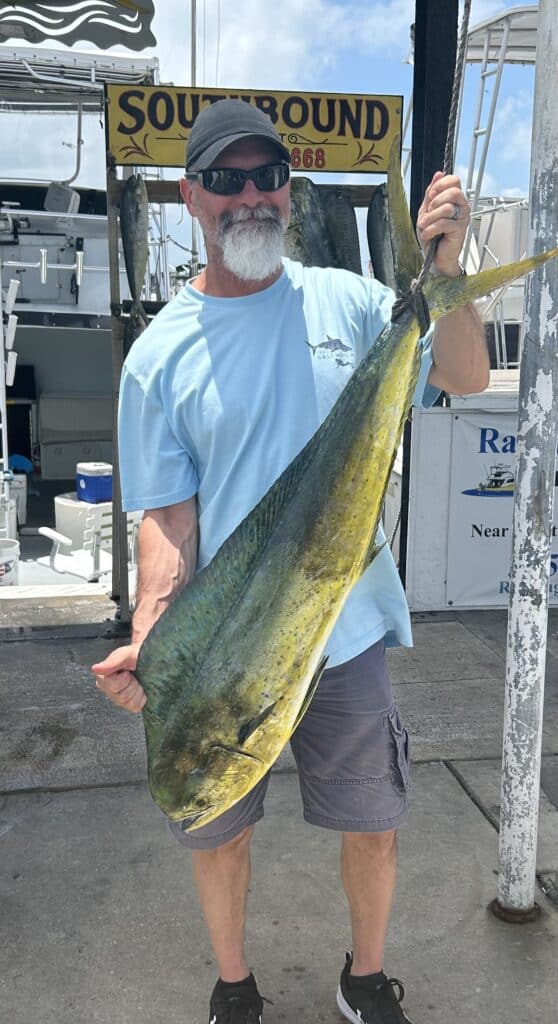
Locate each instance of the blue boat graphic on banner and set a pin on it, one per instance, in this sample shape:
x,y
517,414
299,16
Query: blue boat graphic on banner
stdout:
x,y
499,483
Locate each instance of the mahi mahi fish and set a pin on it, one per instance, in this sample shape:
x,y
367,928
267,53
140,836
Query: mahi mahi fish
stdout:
x,y
232,664
379,238
134,218
343,229
323,230
308,238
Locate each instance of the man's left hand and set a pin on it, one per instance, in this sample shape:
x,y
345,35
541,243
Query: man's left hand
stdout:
x,y
444,212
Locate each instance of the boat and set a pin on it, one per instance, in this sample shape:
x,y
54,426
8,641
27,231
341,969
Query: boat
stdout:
x,y
499,481
57,409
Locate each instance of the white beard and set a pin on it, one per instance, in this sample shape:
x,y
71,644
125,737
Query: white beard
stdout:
x,y
251,242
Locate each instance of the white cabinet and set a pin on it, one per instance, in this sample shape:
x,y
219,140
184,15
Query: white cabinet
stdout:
x,y
73,428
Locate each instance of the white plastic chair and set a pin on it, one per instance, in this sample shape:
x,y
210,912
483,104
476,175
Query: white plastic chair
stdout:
x,y
94,559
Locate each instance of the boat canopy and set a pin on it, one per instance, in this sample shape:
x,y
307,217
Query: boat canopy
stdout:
x,y
55,81
514,29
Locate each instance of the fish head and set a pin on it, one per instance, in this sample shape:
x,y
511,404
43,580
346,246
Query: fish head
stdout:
x,y
191,789
182,787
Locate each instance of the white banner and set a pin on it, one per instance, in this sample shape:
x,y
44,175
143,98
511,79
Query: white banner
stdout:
x,y
481,511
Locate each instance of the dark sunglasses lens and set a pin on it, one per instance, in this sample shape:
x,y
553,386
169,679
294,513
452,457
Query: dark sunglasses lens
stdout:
x,y
225,182
230,181
272,177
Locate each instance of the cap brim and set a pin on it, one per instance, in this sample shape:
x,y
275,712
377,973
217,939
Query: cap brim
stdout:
x,y
209,155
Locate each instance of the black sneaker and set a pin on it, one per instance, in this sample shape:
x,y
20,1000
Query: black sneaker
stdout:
x,y
363,1001
236,1004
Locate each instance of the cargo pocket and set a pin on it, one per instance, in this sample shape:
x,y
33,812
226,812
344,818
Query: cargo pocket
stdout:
x,y
400,766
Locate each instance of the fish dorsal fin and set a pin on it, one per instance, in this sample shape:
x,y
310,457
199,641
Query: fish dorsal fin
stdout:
x,y
310,692
407,255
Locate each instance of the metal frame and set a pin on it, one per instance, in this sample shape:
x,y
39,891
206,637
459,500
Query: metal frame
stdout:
x,y
55,82
52,80
508,38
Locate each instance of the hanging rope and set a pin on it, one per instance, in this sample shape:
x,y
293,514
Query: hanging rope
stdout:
x,y
415,298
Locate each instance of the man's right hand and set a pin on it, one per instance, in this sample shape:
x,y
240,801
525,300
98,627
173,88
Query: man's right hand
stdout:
x,y
116,680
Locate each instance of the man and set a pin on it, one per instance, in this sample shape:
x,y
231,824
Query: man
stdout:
x,y
218,395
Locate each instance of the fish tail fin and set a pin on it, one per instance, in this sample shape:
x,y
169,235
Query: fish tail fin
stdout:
x,y
444,294
407,254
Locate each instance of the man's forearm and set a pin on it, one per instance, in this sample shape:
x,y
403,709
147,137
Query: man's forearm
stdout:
x,y
167,555
461,363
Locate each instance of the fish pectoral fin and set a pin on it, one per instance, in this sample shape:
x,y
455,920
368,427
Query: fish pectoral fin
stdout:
x,y
310,693
235,752
252,724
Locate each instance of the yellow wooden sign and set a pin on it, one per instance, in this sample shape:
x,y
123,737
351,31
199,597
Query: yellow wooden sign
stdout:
x,y
149,125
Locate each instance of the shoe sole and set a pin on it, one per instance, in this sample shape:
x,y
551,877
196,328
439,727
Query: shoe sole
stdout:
x,y
346,1010
349,1013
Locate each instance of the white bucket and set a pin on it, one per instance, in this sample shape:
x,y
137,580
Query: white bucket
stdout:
x,y
8,517
9,562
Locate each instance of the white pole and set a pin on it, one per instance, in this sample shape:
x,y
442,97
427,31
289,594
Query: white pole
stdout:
x,y
533,508
4,460
193,52
6,353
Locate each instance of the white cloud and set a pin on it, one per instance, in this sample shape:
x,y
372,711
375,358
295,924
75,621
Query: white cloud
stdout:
x,y
513,128
492,184
332,45
287,45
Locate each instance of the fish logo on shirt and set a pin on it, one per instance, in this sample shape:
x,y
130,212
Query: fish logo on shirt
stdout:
x,y
333,346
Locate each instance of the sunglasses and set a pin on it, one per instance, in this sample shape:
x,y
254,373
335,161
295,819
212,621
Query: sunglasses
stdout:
x,y
230,181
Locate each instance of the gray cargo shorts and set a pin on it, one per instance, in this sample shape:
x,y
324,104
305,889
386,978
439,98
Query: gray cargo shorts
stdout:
x,y
352,755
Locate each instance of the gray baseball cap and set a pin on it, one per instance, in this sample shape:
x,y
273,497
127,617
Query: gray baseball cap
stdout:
x,y
223,123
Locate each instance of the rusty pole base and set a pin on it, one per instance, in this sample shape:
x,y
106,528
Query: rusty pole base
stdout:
x,y
511,916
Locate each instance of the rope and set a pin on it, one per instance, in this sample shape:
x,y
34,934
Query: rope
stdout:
x,y
415,297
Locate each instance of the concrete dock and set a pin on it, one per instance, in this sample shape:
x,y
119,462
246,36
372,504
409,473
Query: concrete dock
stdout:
x,y
99,919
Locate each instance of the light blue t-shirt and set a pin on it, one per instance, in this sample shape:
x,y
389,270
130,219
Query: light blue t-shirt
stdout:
x,y
219,395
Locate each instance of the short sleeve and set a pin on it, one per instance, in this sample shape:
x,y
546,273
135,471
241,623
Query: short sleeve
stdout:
x,y
378,313
425,394
155,468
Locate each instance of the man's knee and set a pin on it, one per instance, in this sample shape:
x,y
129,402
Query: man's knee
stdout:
x,y
381,844
234,847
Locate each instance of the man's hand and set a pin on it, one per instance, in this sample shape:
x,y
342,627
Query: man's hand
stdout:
x,y
115,678
444,212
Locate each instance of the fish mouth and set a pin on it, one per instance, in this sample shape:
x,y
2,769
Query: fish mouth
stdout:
x,y
192,821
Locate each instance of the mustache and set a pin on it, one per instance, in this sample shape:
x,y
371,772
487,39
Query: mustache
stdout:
x,y
262,214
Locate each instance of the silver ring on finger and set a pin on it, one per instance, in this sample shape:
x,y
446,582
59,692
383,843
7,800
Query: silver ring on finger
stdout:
x,y
456,211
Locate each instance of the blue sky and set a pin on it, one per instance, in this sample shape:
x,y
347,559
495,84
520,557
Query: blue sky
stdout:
x,y
332,45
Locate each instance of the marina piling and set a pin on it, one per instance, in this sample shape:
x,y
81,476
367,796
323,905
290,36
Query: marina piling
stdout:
x,y
533,509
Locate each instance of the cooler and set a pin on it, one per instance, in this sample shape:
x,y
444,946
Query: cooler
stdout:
x,y
94,481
